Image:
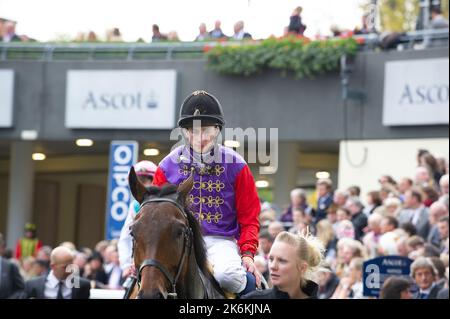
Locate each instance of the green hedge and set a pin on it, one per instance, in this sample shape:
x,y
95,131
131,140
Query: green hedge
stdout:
x,y
298,55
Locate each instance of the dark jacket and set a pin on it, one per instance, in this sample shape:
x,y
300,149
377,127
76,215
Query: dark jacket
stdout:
x,y
432,295
329,288
296,25
310,289
443,294
323,203
35,288
11,282
433,237
359,221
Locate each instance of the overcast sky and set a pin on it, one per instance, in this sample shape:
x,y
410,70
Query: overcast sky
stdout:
x,y
47,19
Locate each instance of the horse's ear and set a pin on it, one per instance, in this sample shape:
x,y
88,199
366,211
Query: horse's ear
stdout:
x,y
184,189
137,189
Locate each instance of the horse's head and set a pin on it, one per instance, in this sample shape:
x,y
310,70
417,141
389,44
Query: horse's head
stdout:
x,y
163,237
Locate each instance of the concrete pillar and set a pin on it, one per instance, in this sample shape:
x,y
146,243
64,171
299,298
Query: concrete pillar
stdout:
x,y
21,185
285,179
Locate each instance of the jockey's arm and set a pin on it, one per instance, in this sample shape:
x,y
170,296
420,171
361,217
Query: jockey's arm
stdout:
x,y
125,244
248,208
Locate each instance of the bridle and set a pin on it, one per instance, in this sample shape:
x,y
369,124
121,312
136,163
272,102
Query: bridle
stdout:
x,y
186,250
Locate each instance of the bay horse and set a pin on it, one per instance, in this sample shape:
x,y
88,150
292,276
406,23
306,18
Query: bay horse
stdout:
x,y
168,247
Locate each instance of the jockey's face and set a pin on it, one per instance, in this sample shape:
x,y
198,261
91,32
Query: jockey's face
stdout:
x,y
202,138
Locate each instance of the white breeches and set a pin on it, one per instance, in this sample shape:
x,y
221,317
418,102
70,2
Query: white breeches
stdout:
x,y
223,254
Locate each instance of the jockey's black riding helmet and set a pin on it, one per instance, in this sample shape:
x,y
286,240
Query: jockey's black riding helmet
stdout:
x,y
200,105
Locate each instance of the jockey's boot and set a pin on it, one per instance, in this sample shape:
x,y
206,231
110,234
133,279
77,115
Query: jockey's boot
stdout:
x,y
250,286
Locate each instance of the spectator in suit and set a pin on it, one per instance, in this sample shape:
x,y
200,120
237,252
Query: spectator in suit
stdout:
x,y
11,282
325,198
298,201
415,212
443,184
424,273
61,282
443,233
443,293
404,185
157,35
239,33
359,219
203,34
437,211
9,33
217,32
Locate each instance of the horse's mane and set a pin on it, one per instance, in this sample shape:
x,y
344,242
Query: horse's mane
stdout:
x,y
200,252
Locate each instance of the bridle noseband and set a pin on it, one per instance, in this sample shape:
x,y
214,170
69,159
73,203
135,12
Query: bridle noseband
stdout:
x,y
186,250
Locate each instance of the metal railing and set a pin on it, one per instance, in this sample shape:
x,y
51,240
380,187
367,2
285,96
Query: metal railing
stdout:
x,y
174,50
102,51
428,38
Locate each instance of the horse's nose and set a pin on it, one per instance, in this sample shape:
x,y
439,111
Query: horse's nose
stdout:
x,y
156,294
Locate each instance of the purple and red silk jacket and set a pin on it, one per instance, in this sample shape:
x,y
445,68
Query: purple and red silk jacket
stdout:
x,y
223,199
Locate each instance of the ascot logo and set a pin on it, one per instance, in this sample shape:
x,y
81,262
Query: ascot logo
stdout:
x,y
424,94
120,101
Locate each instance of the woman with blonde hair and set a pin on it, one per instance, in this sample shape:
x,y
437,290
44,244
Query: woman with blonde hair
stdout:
x,y
347,249
293,259
326,234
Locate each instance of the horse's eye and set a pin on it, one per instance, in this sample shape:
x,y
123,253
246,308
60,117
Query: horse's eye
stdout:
x,y
179,232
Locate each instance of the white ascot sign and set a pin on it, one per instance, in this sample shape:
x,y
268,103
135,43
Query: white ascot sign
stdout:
x,y
120,99
416,92
6,97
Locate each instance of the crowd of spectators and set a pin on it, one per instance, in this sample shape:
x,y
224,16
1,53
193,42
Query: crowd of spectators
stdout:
x,y
28,272
295,27
407,217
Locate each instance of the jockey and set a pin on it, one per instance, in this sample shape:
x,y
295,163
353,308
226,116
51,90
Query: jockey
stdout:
x,y
28,245
223,199
145,170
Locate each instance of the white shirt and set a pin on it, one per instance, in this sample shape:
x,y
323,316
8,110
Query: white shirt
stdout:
x,y
239,35
114,277
51,288
125,244
427,291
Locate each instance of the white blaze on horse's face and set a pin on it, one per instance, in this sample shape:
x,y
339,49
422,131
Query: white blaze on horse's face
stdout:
x,y
202,138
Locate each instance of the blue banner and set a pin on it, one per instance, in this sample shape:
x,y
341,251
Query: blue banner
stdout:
x,y
377,270
122,156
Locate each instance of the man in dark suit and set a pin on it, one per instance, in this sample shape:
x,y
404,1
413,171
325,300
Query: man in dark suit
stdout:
x,y
415,212
11,282
62,282
9,32
424,274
